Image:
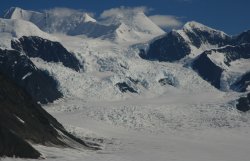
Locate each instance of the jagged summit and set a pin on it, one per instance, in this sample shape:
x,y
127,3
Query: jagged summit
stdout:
x,y
136,21
88,18
19,13
11,11
57,20
134,26
193,25
16,28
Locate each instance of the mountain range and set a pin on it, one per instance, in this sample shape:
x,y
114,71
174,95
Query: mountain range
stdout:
x,y
56,54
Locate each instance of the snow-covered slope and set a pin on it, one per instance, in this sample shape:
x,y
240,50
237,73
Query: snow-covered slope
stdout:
x,y
188,42
15,28
50,51
137,21
201,37
129,27
227,59
224,66
62,20
115,67
195,27
55,20
133,26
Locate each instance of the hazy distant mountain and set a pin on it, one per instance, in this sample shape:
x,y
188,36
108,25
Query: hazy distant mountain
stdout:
x,y
129,27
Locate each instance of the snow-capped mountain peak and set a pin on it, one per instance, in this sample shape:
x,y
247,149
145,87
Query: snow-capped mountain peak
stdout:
x,y
132,26
10,13
16,28
57,20
136,21
124,26
193,25
88,18
19,13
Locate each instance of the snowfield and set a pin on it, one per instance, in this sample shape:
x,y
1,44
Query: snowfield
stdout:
x,y
140,131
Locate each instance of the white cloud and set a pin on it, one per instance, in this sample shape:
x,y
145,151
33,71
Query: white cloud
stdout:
x,y
121,11
62,12
166,21
66,12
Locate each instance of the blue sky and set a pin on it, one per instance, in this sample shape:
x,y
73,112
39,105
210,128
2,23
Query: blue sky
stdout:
x,y
231,16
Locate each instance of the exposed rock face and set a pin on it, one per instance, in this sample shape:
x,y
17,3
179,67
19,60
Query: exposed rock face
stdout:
x,y
244,103
199,34
208,70
23,119
232,53
171,47
47,50
208,51
39,84
12,145
168,81
207,66
242,84
242,38
178,44
124,87
20,114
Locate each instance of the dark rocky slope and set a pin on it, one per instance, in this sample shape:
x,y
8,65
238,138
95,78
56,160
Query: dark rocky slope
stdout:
x,y
174,46
211,72
208,70
170,48
242,38
199,34
47,50
243,103
23,119
39,84
12,145
242,84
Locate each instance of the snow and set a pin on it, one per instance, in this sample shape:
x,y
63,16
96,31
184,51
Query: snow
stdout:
x,y
190,120
19,119
196,128
218,59
110,65
14,28
88,18
240,65
137,21
130,27
189,26
232,72
193,121
61,20
27,75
